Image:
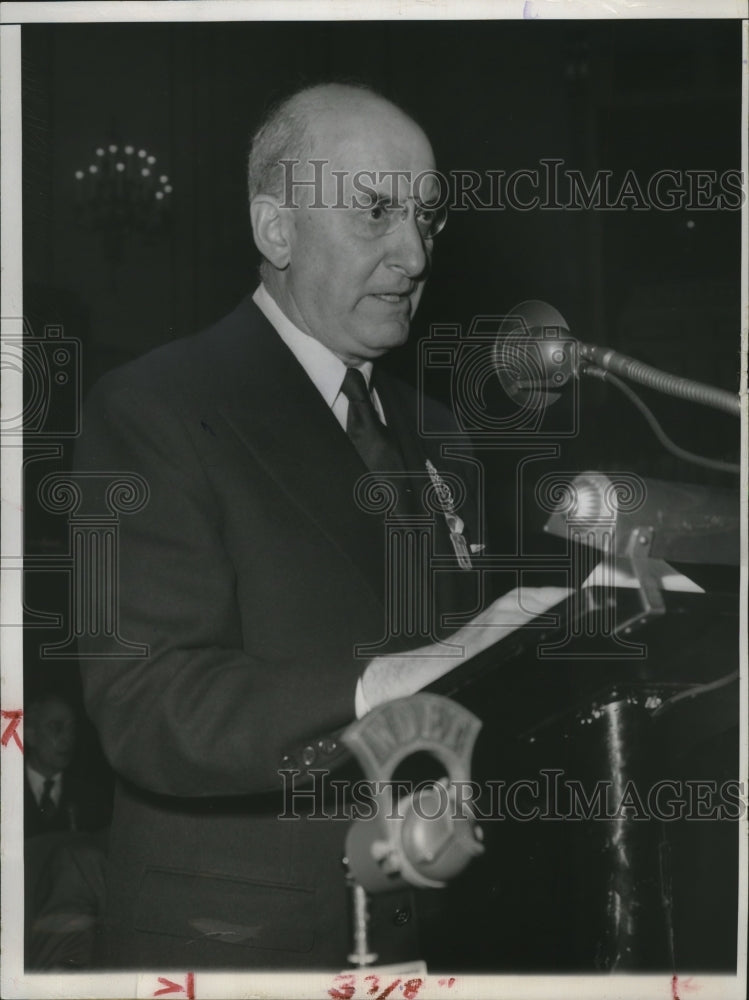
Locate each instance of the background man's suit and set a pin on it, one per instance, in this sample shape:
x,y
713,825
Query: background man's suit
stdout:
x,y
81,806
251,574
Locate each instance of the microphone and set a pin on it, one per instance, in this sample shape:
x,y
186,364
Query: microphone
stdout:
x,y
535,356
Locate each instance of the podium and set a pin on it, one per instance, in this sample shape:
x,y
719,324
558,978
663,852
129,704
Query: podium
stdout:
x,y
639,877
604,777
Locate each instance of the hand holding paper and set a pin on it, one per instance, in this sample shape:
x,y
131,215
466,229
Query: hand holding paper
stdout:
x,y
389,677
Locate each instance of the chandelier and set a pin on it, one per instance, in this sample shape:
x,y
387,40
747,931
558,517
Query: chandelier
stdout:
x,y
122,193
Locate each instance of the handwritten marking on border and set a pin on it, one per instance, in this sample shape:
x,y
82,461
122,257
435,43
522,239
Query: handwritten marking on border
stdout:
x,y
11,730
170,987
346,985
679,985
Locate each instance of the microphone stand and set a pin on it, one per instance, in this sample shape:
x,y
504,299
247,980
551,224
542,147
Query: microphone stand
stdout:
x,y
535,355
600,361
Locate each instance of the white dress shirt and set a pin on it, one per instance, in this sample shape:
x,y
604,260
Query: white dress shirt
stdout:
x,y
326,371
36,781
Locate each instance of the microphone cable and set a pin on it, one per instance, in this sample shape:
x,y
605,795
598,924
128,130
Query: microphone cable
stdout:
x,y
665,382
668,444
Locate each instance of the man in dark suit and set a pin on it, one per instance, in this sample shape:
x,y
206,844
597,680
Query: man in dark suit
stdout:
x,y
252,574
63,808
56,799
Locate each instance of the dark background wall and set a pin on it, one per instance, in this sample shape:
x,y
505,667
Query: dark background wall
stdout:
x,y
493,95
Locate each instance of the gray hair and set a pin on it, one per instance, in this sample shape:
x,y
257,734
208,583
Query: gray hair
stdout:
x,y
285,134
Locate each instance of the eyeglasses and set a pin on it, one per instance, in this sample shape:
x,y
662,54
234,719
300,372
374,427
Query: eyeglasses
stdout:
x,y
382,217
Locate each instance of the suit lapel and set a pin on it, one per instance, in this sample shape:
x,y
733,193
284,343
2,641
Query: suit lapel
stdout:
x,y
402,420
283,420
454,591
401,412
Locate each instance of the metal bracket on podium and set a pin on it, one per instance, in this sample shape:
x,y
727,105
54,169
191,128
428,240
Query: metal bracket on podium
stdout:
x,y
637,558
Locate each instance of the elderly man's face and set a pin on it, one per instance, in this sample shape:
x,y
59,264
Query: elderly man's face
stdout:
x,y
353,290
50,737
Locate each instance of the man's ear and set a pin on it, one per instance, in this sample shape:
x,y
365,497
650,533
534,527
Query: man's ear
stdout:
x,y
272,228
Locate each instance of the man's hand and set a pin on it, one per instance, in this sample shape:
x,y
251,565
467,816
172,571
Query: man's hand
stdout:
x,y
389,677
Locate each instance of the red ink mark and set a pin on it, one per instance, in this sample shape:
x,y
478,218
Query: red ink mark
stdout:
x,y
388,990
446,982
375,984
687,985
348,987
10,730
411,988
169,987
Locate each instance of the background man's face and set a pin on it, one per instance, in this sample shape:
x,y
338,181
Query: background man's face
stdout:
x,y
50,737
357,294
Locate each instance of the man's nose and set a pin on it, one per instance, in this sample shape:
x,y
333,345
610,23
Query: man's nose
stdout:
x,y
65,736
408,252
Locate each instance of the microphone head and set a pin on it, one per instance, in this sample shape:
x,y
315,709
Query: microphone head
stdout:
x,y
534,354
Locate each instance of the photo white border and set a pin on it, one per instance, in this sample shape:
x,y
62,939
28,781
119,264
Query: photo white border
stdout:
x,y
365,10
14,983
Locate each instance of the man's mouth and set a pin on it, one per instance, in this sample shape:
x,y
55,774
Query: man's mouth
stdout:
x,y
393,297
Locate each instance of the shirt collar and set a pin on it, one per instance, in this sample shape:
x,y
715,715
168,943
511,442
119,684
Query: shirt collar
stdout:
x,y
37,780
325,370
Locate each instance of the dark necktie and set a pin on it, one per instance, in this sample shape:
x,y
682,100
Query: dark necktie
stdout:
x,y
46,804
367,432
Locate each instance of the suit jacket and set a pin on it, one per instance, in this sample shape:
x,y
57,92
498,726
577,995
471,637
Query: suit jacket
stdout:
x,y
251,574
64,901
82,806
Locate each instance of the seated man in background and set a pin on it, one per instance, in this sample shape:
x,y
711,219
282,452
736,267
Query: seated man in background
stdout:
x,y
56,798
65,817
